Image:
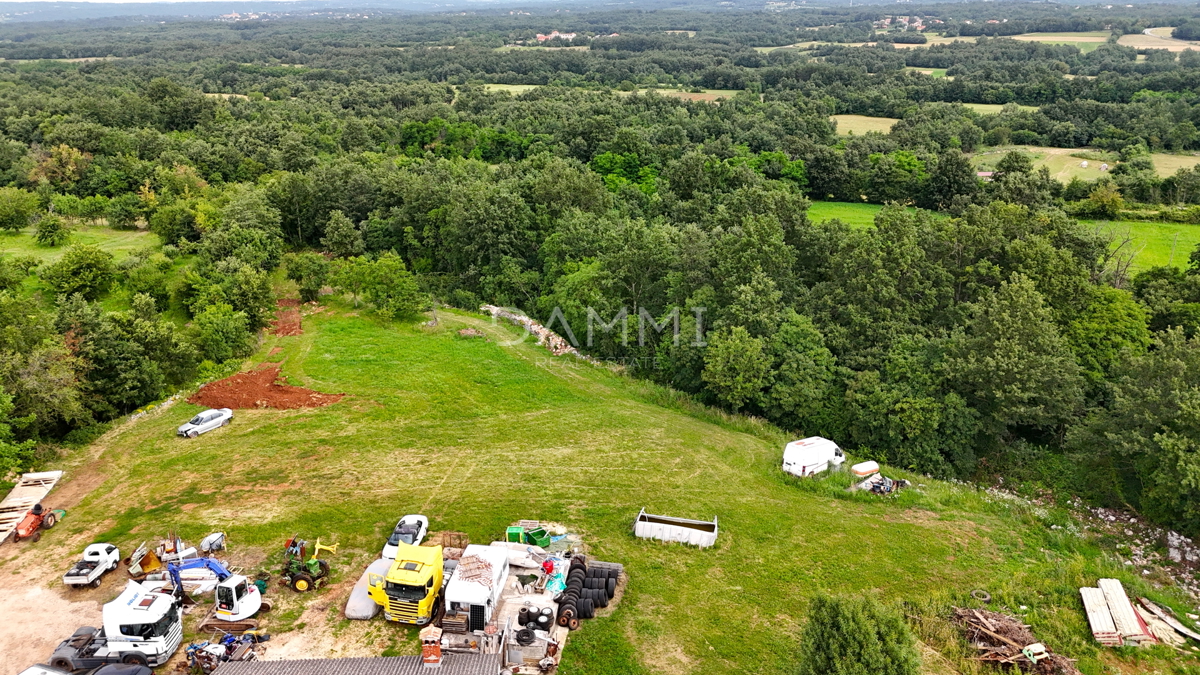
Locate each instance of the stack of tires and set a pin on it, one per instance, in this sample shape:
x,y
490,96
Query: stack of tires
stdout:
x,y
590,586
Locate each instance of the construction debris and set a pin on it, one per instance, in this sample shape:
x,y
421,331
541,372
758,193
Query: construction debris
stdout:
x,y
1003,639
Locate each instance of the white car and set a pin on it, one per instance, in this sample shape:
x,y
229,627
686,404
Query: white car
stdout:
x,y
410,530
205,421
97,560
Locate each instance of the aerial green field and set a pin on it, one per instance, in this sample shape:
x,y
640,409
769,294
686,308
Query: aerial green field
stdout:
x,y
861,124
932,72
117,242
1065,165
1152,244
851,213
478,433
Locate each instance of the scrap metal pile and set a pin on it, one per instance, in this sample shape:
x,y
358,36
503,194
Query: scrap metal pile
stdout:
x,y
1003,639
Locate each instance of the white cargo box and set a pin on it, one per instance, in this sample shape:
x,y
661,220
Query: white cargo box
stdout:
x,y
864,469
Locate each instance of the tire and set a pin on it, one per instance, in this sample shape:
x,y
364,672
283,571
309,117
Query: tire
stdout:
x,y
302,582
613,574
37,536
193,434
322,569
95,583
602,598
62,663
135,659
586,609
573,624
611,587
49,521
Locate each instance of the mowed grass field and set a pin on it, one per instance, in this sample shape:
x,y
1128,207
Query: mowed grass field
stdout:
x,y
1152,243
861,124
479,433
117,242
1157,38
1064,165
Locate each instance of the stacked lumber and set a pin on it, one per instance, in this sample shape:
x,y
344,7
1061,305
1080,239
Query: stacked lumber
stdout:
x,y
1000,639
1100,619
24,496
1133,631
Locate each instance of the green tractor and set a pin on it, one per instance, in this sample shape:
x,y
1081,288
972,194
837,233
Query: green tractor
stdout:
x,y
301,574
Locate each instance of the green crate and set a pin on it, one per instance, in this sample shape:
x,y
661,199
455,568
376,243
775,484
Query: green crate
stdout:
x,y
538,537
514,534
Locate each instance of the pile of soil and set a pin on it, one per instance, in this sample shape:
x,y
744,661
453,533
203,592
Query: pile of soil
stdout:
x,y
262,388
287,318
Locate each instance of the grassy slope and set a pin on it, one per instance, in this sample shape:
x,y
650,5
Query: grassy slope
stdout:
x,y
861,124
117,242
1064,165
477,434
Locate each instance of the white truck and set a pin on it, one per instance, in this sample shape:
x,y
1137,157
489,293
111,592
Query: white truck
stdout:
x,y
812,455
97,560
474,589
142,626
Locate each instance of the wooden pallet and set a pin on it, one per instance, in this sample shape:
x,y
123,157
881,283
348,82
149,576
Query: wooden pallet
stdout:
x,y
27,493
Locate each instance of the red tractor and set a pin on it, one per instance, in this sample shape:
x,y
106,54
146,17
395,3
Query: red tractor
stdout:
x,y
35,521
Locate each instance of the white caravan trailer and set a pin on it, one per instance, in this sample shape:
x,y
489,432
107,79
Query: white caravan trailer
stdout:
x,y
811,456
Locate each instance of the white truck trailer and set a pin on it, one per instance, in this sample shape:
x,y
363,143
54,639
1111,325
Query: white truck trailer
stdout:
x,y
142,626
473,592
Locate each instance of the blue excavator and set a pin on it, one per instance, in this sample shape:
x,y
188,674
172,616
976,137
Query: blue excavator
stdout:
x,y
238,600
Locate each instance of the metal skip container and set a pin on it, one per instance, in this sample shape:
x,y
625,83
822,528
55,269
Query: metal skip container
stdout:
x,y
701,533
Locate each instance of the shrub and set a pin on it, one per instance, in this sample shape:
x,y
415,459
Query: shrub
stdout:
x,y
856,636
123,212
224,333
83,269
52,230
17,207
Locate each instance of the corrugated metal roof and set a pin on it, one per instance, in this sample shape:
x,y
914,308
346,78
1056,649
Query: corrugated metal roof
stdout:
x,y
452,664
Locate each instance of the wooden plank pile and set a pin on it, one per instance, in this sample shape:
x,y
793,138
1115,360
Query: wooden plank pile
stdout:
x,y
1000,639
1113,619
24,496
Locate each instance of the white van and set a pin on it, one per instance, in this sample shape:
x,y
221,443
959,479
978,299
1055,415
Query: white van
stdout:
x,y
811,456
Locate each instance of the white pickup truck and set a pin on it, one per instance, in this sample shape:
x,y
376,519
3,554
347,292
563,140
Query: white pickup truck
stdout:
x,y
97,560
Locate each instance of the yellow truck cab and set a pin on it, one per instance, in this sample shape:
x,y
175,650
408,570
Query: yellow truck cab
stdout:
x,y
409,592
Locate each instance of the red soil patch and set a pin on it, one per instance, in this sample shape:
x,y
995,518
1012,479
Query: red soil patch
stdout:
x,y
287,302
262,388
287,322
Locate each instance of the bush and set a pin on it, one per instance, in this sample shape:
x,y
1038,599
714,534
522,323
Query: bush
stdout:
x,y
83,269
310,271
52,230
17,207
224,333
856,636
391,288
174,223
123,212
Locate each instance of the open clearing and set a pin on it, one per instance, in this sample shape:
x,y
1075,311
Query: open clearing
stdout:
x,y
117,242
1153,243
477,433
861,124
1064,165
995,108
1157,38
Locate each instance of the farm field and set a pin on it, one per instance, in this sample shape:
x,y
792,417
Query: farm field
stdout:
x,y
117,242
1157,38
478,433
994,108
1064,165
1086,42
861,124
932,72
1154,244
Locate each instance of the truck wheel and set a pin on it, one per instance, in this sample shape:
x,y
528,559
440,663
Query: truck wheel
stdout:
x,y
302,582
95,582
135,659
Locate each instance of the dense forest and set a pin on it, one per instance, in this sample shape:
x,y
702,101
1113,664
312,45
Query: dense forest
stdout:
x,y
985,332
